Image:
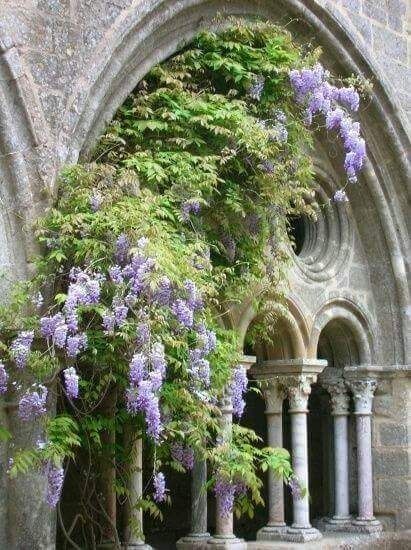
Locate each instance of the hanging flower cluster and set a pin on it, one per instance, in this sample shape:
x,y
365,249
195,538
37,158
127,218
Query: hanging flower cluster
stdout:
x,y
225,490
313,90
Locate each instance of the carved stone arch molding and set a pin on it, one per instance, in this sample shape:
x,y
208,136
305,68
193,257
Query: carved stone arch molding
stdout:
x,y
354,317
292,321
25,161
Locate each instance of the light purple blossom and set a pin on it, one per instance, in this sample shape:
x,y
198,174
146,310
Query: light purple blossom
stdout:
x,y
158,358
183,454
224,491
55,478
159,483
120,314
71,379
122,248
95,201
239,383
138,369
340,196
142,334
109,322
75,344
33,404
163,292
183,313
116,275
3,379
191,206
256,88
20,348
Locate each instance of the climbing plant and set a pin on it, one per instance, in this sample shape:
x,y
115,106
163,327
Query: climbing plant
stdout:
x,y
180,212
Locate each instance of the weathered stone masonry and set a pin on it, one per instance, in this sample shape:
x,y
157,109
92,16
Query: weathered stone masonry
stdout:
x,y
67,65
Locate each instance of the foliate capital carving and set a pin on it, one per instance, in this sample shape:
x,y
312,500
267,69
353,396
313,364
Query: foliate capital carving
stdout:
x,y
338,392
274,396
298,389
363,392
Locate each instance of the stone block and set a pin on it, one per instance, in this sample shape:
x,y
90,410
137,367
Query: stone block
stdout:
x,y
390,463
394,494
352,5
393,435
390,44
375,10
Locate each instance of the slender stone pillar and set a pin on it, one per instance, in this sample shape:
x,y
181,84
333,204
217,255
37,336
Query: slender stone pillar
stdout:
x,y
135,515
224,537
363,392
198,537
340,403
299,389
274,397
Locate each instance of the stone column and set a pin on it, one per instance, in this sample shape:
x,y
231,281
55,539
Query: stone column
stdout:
x,y
274,397
224,537
135,515
198,537
299,389
340,404
363,392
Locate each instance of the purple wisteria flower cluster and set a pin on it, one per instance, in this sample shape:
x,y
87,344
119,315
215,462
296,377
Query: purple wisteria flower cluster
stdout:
x,y
312,89
4,377
55,477
159,483
183,454
225,492
239,383
188,207
33,403
71,379
20,348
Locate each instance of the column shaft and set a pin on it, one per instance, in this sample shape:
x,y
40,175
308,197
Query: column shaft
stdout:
x,y
199,498
301,514
341,467
365,497
275,485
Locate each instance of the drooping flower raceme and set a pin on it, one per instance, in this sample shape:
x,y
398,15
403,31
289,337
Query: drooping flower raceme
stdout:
x,y
33,403
239,384
182,454
159,483
20,348
71,379
3,379
55,478
311,88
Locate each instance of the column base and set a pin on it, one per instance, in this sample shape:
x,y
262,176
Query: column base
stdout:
x,y
136,546
227,543
272,532
301,534
336,524
369,526
193,541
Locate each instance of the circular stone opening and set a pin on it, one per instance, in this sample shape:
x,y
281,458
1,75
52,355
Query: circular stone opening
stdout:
x,y
320,245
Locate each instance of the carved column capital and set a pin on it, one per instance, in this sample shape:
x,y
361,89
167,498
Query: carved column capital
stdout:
x,y
363,392
337,389
298,389
274,395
